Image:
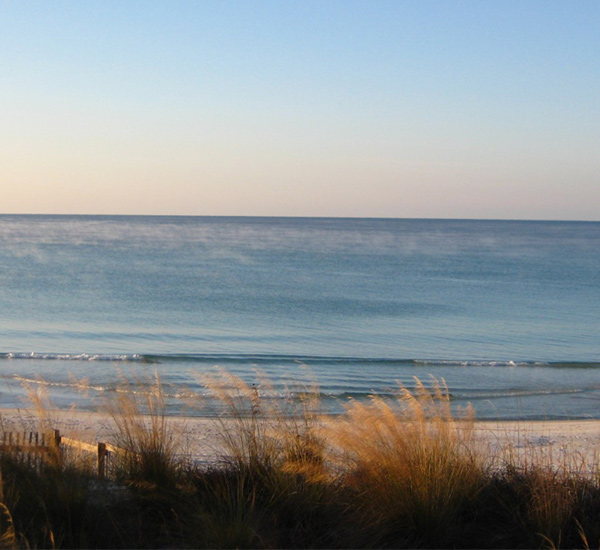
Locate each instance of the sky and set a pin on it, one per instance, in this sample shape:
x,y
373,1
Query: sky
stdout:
x,y
403,109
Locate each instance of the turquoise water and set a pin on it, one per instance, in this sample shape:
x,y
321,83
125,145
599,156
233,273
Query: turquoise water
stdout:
x,y
506,311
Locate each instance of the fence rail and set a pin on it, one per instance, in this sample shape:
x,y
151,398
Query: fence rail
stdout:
x,y
105,452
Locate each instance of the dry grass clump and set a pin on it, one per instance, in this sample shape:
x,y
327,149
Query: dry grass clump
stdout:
x,y
8,536
150,443
45,498
263,434
272,486
409,464
552,501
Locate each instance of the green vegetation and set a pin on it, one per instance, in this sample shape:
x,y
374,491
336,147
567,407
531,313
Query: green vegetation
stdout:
x,y
386,474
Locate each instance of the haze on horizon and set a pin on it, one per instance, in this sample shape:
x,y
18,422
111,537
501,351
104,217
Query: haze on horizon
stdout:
x,y
429,109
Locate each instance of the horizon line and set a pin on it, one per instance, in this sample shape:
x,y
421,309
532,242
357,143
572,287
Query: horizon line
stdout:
x,y
271,216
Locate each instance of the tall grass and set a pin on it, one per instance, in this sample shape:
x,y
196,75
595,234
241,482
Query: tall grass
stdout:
x,y
264,433
8,536
45,502
151,444
549,499
409,465
387,473
273,488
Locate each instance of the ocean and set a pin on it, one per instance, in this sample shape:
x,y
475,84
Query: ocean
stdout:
x,y
506,312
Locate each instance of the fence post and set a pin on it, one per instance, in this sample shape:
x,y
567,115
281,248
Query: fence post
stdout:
x,y
54,447
56,438
102,452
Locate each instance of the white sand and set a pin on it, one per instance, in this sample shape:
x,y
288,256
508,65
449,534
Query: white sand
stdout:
x,y
570,444
198,436
578,439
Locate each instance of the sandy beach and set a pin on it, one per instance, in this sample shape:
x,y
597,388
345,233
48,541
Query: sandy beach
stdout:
x,y
556,439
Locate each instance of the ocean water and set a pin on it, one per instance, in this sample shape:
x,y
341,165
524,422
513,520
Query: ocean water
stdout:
x,y
506,312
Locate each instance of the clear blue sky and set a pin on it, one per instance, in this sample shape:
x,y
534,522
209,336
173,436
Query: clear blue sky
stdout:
x,y
455,109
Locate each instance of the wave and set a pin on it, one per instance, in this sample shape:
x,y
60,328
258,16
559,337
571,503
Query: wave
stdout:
x,y
490,363
170,391
278,392
281,359
341,360
500,394
124,358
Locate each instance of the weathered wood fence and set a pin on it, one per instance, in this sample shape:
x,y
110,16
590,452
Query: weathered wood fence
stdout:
x,y
37,447
104,452
31,447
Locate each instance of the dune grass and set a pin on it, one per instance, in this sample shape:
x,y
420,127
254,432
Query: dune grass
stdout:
x,y
409,466
151,444
271,487
388,473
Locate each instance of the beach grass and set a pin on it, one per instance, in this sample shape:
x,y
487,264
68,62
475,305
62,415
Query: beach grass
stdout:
x,y
150,444
409,465
403,472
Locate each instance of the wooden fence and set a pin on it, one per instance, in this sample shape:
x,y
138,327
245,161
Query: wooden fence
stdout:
x,y
37,447
31,447
104,452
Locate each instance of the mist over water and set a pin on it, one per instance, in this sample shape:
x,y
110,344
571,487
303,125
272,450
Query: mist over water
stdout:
x,y
506,311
